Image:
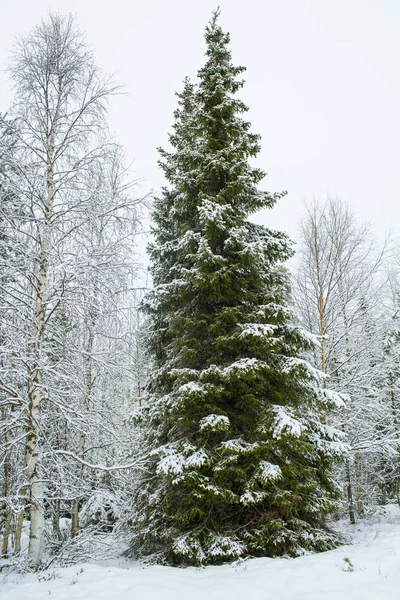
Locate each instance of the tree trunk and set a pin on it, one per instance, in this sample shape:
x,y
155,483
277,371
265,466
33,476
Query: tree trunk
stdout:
x,y
350,499
35,388
359,493
88,398
6,534
75,518
7,510
18,532
56,520
32,462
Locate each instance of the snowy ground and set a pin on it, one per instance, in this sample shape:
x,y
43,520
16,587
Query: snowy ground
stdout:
x,y
368,569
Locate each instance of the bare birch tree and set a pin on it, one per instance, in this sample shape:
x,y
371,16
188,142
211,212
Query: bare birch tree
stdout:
x,y
339,292
58,122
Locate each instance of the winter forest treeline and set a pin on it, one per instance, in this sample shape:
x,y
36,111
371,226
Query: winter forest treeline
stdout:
x,y
234,406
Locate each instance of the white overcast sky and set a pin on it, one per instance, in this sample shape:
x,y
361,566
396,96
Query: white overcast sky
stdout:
x,y
323,87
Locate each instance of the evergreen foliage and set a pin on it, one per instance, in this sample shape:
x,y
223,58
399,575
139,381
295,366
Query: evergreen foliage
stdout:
x,y
240,463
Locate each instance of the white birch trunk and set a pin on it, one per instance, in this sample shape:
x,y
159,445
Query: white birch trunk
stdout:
x,y
33,457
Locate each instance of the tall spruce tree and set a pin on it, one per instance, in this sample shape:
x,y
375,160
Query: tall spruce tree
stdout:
x,y
239,461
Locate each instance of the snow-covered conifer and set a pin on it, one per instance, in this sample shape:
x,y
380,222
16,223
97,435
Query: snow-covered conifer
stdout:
x,y
240,463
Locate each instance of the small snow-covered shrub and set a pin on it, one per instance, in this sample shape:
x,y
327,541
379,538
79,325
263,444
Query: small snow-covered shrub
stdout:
x,y
102,508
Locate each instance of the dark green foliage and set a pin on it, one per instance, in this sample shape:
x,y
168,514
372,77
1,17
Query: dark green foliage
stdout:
x,y
240,464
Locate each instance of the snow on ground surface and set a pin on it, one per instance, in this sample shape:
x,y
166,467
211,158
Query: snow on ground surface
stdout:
x,y
367,569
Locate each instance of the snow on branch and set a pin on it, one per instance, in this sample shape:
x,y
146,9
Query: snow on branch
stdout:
x,y
72,455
